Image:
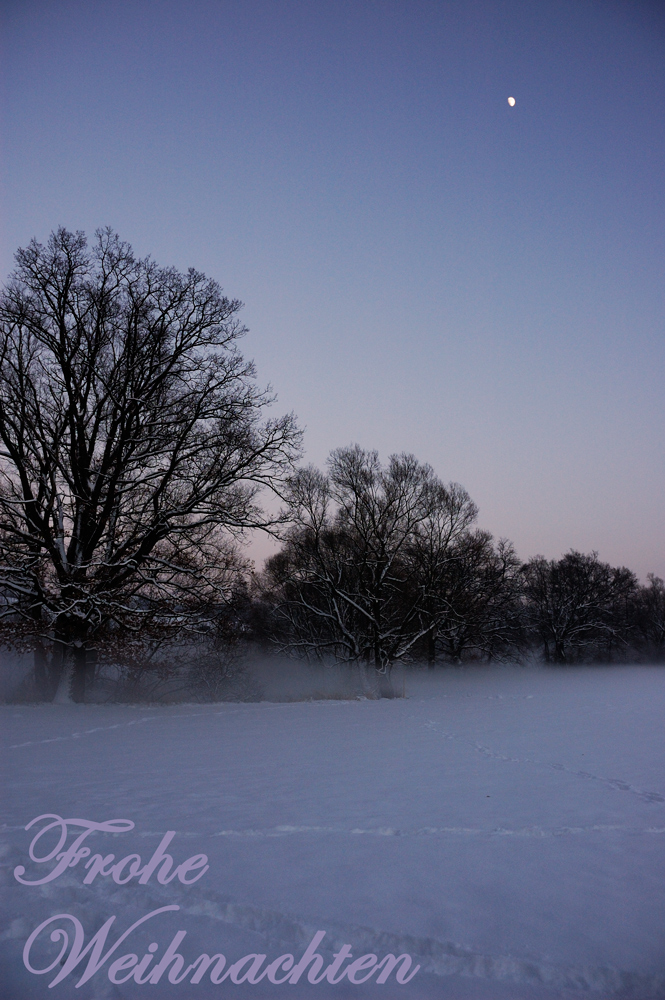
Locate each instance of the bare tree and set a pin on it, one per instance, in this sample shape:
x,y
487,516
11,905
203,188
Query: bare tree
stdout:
x,y
133,443
472,597
571,604
354,578
433,551
649,618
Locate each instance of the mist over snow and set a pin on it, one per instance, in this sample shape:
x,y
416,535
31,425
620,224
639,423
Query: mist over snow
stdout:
x,y
504,827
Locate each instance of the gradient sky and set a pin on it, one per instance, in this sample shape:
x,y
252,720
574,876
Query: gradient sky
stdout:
x,y
423,268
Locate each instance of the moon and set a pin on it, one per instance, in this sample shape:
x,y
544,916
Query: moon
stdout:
x,y
511,101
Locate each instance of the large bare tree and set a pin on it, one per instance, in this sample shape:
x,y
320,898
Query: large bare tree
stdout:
x,y
357,576
133,443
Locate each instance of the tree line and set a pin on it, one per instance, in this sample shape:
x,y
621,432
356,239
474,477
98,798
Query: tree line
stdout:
x,y
381,564
134,452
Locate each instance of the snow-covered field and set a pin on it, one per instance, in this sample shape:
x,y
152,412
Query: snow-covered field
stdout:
x,y
505,828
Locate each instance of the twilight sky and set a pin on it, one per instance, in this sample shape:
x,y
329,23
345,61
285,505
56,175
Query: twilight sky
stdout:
x,y
424,268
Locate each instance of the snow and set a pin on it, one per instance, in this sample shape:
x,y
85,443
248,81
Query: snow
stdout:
x,y
503,827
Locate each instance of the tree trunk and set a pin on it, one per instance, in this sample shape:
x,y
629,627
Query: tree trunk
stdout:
x,y
75,662
385,682
431,649
366,680
559,651
63,694
79,673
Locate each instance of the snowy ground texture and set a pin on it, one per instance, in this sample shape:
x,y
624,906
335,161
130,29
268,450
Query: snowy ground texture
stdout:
x,y
505,828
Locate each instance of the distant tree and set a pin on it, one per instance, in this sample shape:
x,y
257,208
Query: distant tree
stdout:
x,y
433,554
649,618
575,604
474,600
133,444
357,577
344,588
